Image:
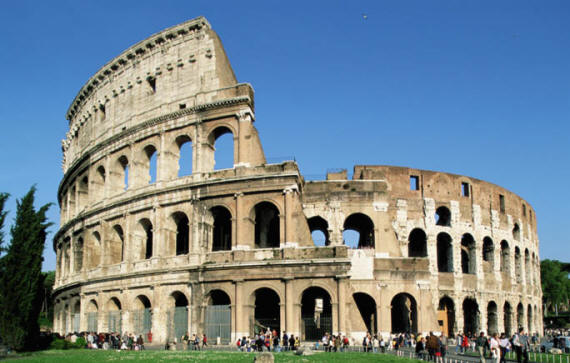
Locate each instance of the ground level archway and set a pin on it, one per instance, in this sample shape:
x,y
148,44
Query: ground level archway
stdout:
x,y
316,313
404,314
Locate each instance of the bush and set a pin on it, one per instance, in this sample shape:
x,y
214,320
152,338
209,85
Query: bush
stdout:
x,y
62,344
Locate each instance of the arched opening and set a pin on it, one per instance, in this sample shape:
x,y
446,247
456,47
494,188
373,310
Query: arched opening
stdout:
x,y
114,323
123,173
516,232
92,313
363,225
76,317
83,193
98,184
470,316
222,142
78,255
218,316
446,316
417,243
116,245
468,254
443,217
404,314
150,163
182,233
144,239
527,268
505,254
267,311
520,316
319,228
72,209
444,253
142,316
222,235
518,265
177,315
367,308
488,255
529,320
266,225
95,250
184,145
492,318
316,313
507,318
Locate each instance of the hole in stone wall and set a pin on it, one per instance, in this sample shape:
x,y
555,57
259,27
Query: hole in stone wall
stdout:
x,y
443,217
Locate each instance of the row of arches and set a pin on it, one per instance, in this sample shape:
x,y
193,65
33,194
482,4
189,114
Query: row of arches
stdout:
x,y
358,231
109,246
417,247
147,165
498,320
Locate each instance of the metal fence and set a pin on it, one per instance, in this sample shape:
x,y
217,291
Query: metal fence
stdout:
x,y
114,322
177,320
315,330
92,322
218,322
142,321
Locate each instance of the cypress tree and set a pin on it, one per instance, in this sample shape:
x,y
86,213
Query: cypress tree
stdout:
x,y
3,198
21,282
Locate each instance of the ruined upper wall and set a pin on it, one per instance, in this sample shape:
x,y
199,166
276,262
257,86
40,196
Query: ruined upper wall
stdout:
x,y
181,67
444,188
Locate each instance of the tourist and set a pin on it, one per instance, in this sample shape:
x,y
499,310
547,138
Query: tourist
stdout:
x,y
292,342
495,348
480,343
421,348
204,341
285,341
504,345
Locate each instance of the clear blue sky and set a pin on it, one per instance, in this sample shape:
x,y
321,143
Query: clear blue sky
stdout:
x,y
480,88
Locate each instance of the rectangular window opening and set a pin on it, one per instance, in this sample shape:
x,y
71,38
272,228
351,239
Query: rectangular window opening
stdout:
x,y
502,203
524,210
414,182
182,106
102,109
464,189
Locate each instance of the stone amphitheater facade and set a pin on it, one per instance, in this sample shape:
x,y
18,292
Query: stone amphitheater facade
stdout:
x,y
230,251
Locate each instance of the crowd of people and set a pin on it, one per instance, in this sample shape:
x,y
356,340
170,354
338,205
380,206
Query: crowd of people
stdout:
x,y
127,341
268,341
194,342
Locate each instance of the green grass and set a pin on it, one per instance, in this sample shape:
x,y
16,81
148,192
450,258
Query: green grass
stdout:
x,y
80,356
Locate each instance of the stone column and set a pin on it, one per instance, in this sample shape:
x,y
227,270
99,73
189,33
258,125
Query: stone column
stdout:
x,y
342,312
240,320
289,325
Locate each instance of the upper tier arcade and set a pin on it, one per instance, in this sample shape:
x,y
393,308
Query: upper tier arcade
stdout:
x,y
178,68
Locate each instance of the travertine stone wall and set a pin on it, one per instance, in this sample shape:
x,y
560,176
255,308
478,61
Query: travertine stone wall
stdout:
x,y
143,248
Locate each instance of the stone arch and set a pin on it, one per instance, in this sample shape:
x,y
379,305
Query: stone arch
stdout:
x,y
267,225
520,316
150,167
404,313
180,243
468,254
471,315
92,310
319,228
505,257
267,310
508,318
368,311
78,255
177,315
363,225
83,192
529,319
518,264
144,240
113,308
218,296
116,245
488,255
98,184
142,315
120,174
417,243
444,253
516,232
222,229
446,315
217,136
184,155
316,313
492,318
527,267
218,317
95,250
443,216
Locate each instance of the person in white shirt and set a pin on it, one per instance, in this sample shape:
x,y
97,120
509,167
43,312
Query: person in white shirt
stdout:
x,y
495,348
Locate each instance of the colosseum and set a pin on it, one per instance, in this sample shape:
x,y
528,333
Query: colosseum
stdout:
x,y
155,238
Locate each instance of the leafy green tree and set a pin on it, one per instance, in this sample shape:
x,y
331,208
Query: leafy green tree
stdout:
x,y
46,315
555,284
21,282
